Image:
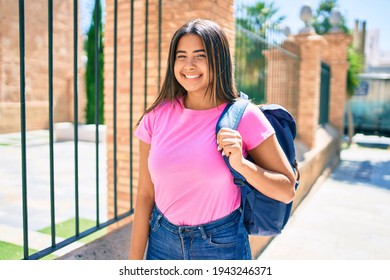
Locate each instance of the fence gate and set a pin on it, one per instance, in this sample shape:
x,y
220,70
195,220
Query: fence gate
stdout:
x,y
324,93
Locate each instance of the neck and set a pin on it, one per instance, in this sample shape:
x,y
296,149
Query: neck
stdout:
x,y
202,103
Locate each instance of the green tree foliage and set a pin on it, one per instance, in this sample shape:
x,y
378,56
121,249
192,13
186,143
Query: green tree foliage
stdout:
x,y
260,17
90,79
355,62
321,22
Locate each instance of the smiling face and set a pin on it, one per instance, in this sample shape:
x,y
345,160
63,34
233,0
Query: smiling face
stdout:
x,y
191,65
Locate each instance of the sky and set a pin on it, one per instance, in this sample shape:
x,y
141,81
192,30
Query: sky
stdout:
x,y
376,13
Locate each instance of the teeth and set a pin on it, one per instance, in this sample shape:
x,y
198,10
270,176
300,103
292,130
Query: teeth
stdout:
x,y
192,76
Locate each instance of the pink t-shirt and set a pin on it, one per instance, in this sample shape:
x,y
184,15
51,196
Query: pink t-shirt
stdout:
x,y
192,183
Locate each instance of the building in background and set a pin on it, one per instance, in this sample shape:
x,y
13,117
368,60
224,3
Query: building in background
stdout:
x,y
377,60
370,104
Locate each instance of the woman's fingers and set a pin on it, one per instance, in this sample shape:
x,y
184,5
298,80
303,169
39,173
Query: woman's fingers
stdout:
x,y
229,141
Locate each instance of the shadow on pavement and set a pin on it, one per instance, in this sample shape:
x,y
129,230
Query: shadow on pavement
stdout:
x,y
375,173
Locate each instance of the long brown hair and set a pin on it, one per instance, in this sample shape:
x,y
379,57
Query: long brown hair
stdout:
x,y
219,61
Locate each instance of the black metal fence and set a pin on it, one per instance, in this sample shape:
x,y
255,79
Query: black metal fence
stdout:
x,y
267,63
99,224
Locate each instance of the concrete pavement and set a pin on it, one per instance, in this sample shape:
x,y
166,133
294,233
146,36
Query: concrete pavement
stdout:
x,y
346,215
38,186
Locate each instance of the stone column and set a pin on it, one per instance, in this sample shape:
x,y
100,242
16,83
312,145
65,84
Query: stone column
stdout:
x,y
311,46
335,54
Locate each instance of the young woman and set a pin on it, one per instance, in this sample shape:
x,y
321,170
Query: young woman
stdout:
x,y
188,206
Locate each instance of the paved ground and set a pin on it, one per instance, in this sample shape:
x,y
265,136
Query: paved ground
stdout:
x,y
346,217
38,186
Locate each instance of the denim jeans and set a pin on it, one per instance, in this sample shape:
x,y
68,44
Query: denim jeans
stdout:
x,y
212,241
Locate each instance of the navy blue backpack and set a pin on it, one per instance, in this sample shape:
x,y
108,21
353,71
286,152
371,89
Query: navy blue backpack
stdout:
x,y
262,215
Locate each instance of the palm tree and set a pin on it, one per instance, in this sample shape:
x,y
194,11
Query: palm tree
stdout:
x,y
260,17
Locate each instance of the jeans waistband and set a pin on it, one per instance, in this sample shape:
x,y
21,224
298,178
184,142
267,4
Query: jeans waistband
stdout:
x,y
208,228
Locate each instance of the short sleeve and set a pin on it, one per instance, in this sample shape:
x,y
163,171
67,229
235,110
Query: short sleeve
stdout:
x,y
254,127
144,130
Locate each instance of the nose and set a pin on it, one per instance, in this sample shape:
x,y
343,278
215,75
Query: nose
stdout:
x,y
189,64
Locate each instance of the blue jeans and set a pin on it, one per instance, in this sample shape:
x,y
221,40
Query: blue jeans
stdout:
x,y
212,241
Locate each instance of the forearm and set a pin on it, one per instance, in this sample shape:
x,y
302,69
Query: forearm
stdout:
x,y
272,184
140,231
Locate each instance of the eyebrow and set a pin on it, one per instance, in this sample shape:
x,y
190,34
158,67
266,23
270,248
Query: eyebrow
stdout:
x,y
195,51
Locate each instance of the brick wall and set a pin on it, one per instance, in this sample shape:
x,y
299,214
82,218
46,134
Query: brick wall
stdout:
x,y
36,59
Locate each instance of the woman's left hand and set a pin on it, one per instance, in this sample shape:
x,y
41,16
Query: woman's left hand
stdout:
x,y
230,144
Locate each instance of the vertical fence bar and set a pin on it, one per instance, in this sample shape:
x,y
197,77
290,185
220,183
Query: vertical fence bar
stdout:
x,y
269,76
131,102
75,115
51,120
146,53
97,89
296,80
115,108
278,64
23,126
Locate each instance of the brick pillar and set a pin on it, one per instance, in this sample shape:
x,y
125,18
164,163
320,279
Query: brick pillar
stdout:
x,y
174,14
309,86
336,56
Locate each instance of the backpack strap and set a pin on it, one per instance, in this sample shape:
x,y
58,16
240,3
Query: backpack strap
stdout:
x,y
231,117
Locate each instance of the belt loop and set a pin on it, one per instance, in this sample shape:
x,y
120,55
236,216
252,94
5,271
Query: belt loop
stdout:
x,y
157,223
204,236
180,231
